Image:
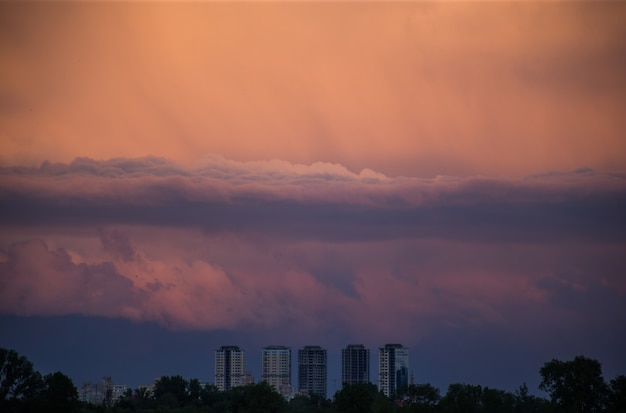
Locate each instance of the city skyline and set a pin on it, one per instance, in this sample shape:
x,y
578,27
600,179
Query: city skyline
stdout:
x,y
176,176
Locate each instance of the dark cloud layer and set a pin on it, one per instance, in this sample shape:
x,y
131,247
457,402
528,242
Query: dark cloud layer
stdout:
x,y
320,201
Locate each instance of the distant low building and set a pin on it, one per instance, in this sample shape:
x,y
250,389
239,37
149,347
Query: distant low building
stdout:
x,y
247,378
102,393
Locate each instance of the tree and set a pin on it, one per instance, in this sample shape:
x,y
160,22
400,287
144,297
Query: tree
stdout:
x,y
142,398
171,391
18,379
422,397
574,386
59,394
355,398
194,390
526,403
497,401
210,395
617,395
462,398
308,404
257,398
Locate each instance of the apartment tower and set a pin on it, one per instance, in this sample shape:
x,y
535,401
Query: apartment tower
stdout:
x,y
312,371
355,364
228,367
276,368
393,368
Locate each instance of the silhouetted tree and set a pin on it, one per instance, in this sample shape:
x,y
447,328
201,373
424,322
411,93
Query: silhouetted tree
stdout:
x,y
194,389
210,395
127,401
256,398
18,379
526,403
616,402
382,403
422,397
59,395
575,386
355,398
496,401
309,404
171,391
464,398
20,384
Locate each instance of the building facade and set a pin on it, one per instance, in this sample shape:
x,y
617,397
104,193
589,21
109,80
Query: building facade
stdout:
x,y
355,364
312,371
229,367
276,368
393,368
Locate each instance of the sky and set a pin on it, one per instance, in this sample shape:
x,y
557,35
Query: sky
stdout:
x,y
178,176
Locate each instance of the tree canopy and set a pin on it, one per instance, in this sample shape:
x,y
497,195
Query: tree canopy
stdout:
x,y
18,379
575,386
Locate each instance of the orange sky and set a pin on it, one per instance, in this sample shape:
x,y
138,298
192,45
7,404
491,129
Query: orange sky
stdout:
x,y
411,88
273,210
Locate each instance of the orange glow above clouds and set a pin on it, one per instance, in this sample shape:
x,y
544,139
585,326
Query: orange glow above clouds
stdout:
x,y
403,88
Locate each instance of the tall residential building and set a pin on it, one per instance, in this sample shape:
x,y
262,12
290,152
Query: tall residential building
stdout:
x,y
393,368
355,364
276,368
312,371
229,365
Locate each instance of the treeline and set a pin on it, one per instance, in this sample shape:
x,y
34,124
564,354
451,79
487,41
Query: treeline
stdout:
x,y
575,386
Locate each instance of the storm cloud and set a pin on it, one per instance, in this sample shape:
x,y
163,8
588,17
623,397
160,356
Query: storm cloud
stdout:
x,y
316,247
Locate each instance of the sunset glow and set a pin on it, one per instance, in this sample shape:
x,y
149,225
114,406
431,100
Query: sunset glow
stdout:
x,y
446,175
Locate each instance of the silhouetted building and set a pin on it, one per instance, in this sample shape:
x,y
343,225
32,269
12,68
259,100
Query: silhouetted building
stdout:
x,y
276,368
393,368
355,364
229,365
312,371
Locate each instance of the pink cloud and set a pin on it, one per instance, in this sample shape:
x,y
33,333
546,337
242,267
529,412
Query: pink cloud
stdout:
x,y
318,248
37,281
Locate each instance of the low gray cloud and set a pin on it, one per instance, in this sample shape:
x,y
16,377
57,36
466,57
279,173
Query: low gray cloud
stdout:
x,y
318,201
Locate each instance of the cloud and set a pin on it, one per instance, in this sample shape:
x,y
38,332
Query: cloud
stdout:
x,y
317,201
35,280
315,249
117,244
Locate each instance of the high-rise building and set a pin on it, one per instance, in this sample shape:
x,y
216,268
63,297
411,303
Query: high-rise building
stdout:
x,y
393,368
229,365
355,364
276,368
312,371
